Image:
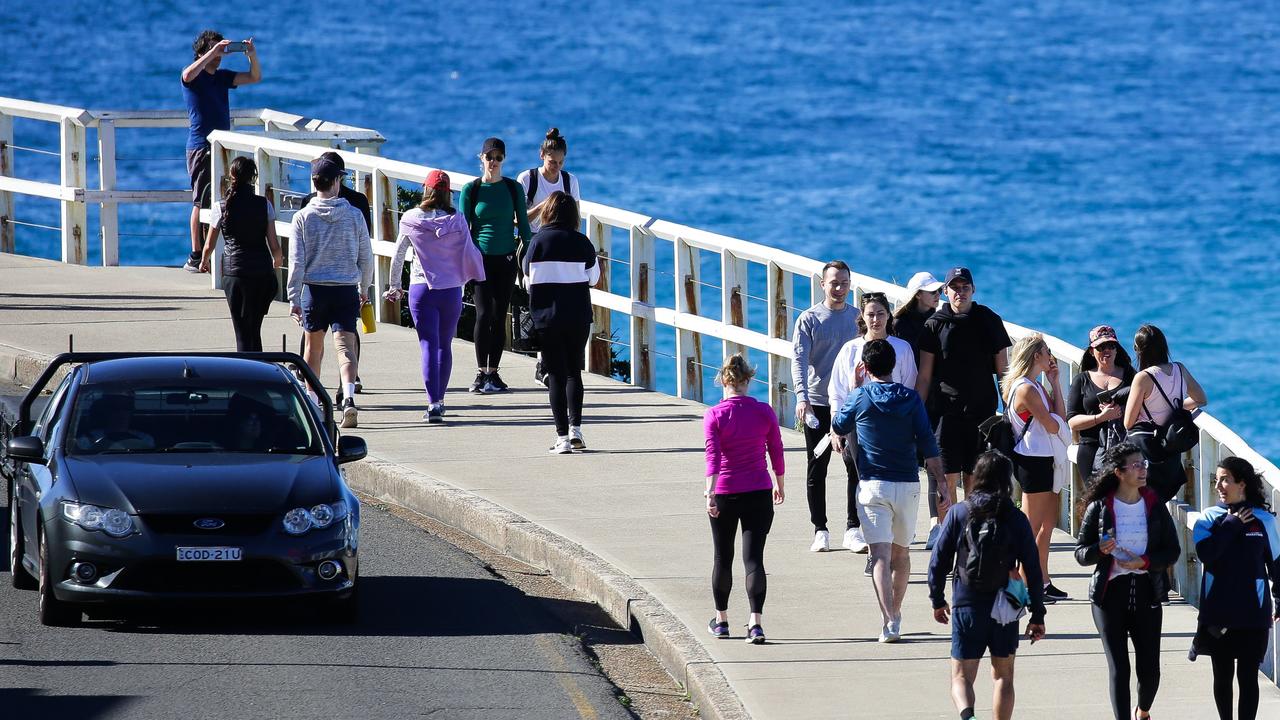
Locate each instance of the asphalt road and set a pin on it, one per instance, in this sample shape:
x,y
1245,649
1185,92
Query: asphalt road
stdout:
x,y
438,636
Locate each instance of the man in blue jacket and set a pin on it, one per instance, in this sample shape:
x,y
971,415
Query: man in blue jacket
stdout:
x,y
886,423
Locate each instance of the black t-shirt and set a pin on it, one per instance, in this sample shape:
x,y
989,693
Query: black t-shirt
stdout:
x,y
243,223
964,348
909,327
1083,400
357,200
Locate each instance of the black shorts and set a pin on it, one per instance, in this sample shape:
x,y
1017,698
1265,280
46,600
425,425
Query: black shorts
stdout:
x,y
1034,474
200,168
330,306
959,441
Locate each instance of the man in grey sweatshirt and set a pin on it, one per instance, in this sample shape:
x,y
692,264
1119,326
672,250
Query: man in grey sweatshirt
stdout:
x,y
819,334
330,265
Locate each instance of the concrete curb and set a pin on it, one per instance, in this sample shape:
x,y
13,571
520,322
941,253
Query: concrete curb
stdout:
x,y
626,601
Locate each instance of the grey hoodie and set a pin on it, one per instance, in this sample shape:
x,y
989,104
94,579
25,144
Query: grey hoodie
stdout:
x,y
330,246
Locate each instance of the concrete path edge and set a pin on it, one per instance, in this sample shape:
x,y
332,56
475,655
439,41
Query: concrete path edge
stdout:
x,y
626,601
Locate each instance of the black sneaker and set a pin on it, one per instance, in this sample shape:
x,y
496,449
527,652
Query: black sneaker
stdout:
x,y
494,383
1052,591
482,379
193,264
871,564
350,415
755,635
359,385
718,629
539,376
434,414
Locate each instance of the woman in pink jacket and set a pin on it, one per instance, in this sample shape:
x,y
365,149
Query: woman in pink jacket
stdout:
x,y
444,259
740,430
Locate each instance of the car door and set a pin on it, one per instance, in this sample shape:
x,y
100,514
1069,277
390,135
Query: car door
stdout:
x,y
34,480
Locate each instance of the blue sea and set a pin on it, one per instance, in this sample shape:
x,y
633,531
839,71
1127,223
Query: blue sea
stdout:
x,y
1092,162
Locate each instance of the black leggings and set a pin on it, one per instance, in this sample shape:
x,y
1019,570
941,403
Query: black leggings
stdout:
x,y
563,350
815,478
1130,610
1238,654
249,298
492,297
755,510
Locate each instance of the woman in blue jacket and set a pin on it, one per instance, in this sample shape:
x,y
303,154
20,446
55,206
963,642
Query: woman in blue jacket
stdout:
x,y
1238,543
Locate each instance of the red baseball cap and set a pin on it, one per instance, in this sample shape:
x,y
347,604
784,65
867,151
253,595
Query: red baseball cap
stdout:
x,y
438,180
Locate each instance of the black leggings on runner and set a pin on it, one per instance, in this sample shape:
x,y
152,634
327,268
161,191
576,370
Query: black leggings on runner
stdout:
x,y
1237,654
1130,610
563,351
815,479
755,511
492,297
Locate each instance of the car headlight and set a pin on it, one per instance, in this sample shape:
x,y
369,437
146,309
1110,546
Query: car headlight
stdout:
x,y
300,520
116,523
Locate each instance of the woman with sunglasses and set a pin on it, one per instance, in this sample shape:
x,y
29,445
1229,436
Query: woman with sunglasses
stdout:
x,y
494,208
1095,402
1129,537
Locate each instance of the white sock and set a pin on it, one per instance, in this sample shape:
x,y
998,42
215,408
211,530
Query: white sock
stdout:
x,y
349,390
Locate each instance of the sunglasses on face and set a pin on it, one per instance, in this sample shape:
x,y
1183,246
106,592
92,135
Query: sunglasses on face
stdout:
x,y
494,157
1108,347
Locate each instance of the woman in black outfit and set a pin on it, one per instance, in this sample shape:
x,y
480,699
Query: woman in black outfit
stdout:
x,y
1129,538
252,254
1105,370
908,320
560,268
1239,544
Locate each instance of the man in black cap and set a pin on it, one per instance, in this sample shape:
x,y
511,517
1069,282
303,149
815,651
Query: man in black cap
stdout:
x,y
330,269
963,352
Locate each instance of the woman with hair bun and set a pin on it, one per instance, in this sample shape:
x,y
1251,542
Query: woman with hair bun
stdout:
x,y
740,432
1239,544
540,182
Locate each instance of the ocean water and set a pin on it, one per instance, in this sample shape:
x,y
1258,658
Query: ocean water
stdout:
x,y
1091,162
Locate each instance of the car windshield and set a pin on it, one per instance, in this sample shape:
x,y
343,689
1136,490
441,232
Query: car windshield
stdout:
x,y
139,417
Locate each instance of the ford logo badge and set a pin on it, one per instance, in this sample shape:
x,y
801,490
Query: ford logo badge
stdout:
x,y
209,524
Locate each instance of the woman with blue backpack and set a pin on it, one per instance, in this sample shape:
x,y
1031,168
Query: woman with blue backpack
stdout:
x,y
1129,538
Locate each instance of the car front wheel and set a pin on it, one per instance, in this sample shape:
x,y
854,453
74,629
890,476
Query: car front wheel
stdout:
x,y
53,612
21,579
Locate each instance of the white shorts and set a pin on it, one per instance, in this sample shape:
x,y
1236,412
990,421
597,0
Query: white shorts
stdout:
x,y
888,511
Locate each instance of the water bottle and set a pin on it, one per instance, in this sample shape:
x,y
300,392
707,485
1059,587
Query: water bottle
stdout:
x,y
811,420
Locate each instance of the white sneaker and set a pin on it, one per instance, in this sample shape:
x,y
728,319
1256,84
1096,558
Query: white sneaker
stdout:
x,y
821,541
575,438
889,634
854,541
562,447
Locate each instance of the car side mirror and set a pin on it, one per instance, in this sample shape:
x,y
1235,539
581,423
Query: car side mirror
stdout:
x,y
350,449
29,448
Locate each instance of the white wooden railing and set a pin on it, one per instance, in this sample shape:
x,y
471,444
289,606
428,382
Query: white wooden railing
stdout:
x,y
378,177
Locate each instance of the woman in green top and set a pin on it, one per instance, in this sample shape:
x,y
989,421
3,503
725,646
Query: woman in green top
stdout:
x,y
495,210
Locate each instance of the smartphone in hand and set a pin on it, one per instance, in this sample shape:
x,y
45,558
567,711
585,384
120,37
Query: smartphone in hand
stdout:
x,y
234,47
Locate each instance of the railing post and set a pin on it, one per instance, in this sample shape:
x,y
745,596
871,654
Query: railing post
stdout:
x,y
781,298
688,343
109,214
74,212
599,347
383,206
733,297
7,242
643,335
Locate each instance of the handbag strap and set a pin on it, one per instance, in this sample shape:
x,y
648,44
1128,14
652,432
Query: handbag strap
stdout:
x,y
1026,425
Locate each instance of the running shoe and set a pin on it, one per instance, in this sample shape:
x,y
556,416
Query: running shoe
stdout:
x,y
359,385
821,541
494,383
562,447
575,438
434,414
755,635
440,406
1052,591
854,540
350,415
889,633
934,532
539,376
718,629
871,565
193,264
482,380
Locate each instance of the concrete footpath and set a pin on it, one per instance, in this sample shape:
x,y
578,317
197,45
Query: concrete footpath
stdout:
x,y
622,523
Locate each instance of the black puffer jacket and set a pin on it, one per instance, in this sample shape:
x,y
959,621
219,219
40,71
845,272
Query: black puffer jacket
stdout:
x,y
1162,543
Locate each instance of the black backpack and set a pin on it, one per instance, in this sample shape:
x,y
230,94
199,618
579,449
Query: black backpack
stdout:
x,y
987,553
1179,434
533,184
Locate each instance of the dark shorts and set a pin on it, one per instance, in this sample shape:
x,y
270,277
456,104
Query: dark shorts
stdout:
x,y
200,168
973,633
959,441
330,306
1034,474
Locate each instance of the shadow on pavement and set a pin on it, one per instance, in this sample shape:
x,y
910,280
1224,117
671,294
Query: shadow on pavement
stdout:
x,y
28,703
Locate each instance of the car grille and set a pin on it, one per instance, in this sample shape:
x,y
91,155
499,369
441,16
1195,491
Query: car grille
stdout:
x,y
208,577
184,524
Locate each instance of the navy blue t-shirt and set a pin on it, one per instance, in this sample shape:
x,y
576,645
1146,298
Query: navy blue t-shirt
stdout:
x,y
208,105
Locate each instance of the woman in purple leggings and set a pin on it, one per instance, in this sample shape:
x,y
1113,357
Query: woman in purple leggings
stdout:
x,y
444,259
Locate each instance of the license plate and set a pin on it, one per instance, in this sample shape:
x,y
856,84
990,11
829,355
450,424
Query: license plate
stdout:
x,y
209,554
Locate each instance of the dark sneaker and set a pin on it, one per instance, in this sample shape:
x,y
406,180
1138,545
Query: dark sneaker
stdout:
x,y
1052,591
193,264
494,383
871,564
350,415
718,629
481,381
434,414
755,635
539,376
359,385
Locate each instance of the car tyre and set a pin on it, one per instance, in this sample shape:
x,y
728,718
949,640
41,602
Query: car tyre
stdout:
x,y
21,579
53,612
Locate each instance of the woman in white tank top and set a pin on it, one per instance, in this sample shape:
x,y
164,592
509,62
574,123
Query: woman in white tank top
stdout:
x,y
1146,404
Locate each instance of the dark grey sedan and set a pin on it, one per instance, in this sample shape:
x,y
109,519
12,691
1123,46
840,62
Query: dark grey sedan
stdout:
x,y
180,476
